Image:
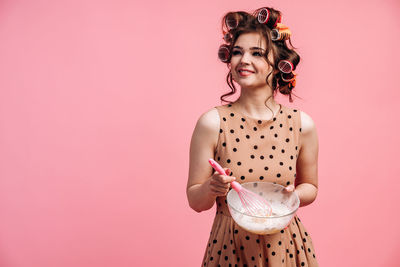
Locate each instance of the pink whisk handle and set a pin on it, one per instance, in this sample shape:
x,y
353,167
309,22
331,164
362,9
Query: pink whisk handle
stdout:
x,y
236,186
217,167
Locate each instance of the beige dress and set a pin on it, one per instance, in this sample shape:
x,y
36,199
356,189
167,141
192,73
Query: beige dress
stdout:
x,y
258,150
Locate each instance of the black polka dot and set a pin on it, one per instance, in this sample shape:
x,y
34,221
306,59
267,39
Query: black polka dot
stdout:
x,y
242,177
296,147
291,255
309,250
302,263
255,147
278,175
280,243
273,253
295,110
287,183
223,144
274,119
236,231
234,251
290,168
283,150
262,136
294,235
313,255
290,129
220,130
291,157
234,149
226,258
306,233
243,120
255,128
271,156
300,129
287,140
261,157
211,258
261,177
247,237
250,170
252,258
273,147
276,135
272,127
248,136
259,122
289,117
282,231
219,252
281,163
237,140
268,245
232,114
232,131
266,168
304,240
239,163
241,248
229,105
280,125
241,127
214,241
258,241
228,160
219,158
224,118
252,156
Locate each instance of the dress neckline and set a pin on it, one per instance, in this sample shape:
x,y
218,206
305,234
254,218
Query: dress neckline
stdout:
x,y
274,118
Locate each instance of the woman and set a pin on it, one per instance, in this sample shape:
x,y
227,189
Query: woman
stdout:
x,y
255,139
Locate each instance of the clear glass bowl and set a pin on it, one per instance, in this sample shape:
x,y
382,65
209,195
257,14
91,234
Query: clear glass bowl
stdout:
x,y
284,206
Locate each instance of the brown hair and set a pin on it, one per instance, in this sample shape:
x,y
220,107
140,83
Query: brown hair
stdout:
x,y
248,23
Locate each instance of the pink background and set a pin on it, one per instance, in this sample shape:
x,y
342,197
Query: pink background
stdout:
x,y
98,101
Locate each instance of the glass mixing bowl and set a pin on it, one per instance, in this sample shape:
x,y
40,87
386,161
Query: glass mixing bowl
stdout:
x,y
284,205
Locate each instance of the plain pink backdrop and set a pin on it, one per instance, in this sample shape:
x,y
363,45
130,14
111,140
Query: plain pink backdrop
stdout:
x,y
98,101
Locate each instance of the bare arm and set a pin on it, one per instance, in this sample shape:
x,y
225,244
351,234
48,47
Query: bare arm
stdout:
x,y
204,185
307,162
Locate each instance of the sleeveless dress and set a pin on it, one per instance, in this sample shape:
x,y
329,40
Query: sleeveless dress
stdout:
x,y
258,150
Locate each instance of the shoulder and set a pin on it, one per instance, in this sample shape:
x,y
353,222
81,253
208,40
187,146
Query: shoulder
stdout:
x,y
307,123
206,133
209,120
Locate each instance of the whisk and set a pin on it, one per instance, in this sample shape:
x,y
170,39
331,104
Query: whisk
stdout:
x,y
254,204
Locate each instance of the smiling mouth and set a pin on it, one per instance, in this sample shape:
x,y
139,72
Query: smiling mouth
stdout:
x,y
245,73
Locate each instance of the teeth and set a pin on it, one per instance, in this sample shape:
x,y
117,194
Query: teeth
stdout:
x,y
244,71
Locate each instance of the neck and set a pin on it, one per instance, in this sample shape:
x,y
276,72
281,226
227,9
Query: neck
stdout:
x,y
252,102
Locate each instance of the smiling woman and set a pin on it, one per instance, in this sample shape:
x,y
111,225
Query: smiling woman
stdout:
x,y
255,139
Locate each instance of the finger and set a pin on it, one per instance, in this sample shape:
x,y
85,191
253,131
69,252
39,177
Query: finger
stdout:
x,y
218,192
227,171
219,187
226,179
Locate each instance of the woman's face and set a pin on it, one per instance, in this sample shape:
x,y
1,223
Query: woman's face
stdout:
x,y
248,53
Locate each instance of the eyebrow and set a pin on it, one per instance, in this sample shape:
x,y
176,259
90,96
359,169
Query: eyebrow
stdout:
x,y
251,48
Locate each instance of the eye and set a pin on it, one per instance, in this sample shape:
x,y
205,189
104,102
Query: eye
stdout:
x,y
235,52
257,53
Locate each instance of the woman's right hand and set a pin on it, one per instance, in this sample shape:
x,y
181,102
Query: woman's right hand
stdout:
x,y
218,185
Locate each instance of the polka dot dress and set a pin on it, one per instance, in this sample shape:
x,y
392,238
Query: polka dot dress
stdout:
x,y
258,150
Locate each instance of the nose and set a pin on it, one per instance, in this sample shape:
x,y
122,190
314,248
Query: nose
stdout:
x,y
245,59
